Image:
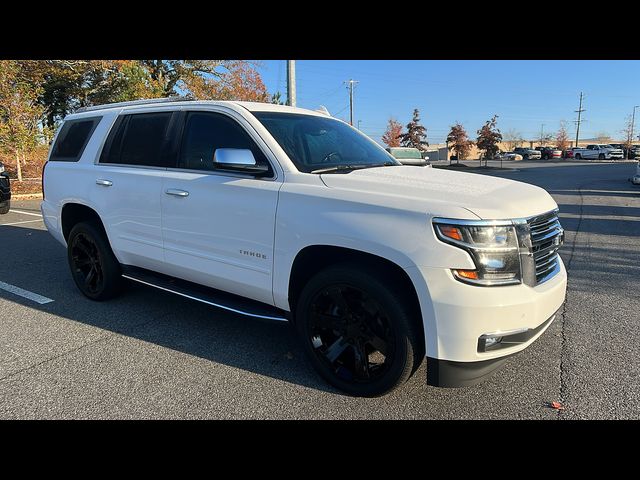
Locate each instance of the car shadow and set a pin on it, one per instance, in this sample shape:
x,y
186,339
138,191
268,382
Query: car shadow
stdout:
x,y
268,348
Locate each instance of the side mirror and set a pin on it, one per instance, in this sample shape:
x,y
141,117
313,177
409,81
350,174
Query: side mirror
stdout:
x,y
237,160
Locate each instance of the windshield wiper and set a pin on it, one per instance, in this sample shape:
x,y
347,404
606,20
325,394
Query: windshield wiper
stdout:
x,y
349,168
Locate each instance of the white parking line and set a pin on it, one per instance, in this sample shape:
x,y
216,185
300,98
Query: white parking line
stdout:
x,y
25,213
19,223
25,293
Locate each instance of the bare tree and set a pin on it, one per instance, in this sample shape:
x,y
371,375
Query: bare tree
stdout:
x,y
513,138
627,131
603,137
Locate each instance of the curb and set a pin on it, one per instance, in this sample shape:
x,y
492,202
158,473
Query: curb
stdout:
x,y
26,196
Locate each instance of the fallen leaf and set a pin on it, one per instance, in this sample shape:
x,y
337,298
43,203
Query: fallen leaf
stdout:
x,y
556,405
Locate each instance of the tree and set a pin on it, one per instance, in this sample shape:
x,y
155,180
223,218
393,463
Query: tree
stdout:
x,y
562,137
69,84
277,99
627,133
489,137
416,135
391,137
20,113
459,141
513,138
603,137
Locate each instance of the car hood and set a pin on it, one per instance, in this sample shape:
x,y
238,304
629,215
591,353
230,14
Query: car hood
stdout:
x,y
435,190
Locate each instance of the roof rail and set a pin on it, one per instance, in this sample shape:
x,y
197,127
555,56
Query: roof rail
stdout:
x,y
175,98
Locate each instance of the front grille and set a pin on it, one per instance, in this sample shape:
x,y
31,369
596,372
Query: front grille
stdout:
x,y
547,236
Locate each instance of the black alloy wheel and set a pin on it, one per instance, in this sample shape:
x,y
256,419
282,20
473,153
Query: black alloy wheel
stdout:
x,y
359,335
87,263
95,270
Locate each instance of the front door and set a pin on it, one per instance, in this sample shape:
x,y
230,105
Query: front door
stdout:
x,y
218,228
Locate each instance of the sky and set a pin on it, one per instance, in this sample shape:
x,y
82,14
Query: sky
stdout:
x,y
524,94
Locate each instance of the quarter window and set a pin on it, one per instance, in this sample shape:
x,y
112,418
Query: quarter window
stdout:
x,y
72,139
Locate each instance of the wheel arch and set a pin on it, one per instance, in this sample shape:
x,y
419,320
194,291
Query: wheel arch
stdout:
x,y
72,213
313,258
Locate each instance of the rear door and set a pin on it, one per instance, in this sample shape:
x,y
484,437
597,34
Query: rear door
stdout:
x,y
218,227
128,182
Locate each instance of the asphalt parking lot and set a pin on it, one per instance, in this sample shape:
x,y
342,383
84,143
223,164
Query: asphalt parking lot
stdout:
x,y
149,354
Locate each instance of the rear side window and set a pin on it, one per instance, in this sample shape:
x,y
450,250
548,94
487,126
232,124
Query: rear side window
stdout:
x,y
72,139
140,139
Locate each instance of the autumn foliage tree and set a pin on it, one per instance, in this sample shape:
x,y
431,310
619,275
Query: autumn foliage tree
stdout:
x,y
416,134
391,137
489,137
459,141
20,113
562,137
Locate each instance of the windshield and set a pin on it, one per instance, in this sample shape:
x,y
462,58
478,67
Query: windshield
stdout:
x,y
315,143
413,153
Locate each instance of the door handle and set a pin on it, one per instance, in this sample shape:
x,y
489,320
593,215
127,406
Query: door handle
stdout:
x,y
104,183
177,193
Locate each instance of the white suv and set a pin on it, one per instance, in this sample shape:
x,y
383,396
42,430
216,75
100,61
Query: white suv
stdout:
x,y
288,214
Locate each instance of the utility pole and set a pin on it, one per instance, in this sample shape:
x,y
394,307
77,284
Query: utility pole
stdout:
x,y
579,112
541,134
350,85
633,121
291,83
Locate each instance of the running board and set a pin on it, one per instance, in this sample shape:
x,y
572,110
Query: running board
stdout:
x,y
210,296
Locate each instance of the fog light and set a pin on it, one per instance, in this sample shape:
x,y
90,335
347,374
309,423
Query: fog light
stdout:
x,y
491,341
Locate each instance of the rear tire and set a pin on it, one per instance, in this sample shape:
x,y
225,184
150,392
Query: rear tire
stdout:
x,y
359,334
578,156
4,207
601,156
94,267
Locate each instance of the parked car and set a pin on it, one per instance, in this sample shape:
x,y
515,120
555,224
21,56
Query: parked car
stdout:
x,y
528,153
287,214
598,151
631,153
568,153
636,178
5,191
549,152
509,156
409,156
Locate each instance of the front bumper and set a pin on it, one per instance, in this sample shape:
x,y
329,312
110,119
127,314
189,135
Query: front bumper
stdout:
x,y
457,315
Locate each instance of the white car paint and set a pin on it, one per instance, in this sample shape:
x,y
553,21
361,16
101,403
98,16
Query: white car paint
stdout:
x,y
598,151
384,211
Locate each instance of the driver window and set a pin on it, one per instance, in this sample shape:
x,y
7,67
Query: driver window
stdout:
x,y
204,132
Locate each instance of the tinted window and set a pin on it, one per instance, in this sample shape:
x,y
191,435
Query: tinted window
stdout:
x,y
205,132
139,139
72,139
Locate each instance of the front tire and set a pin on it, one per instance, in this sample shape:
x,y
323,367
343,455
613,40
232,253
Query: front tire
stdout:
x,y
94,267
358,333
5,207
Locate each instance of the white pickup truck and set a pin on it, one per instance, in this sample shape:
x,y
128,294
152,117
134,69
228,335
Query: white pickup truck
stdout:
x,y
598,151
287,214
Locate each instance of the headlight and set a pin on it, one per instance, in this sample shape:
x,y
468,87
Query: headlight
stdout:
x,y
493,248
